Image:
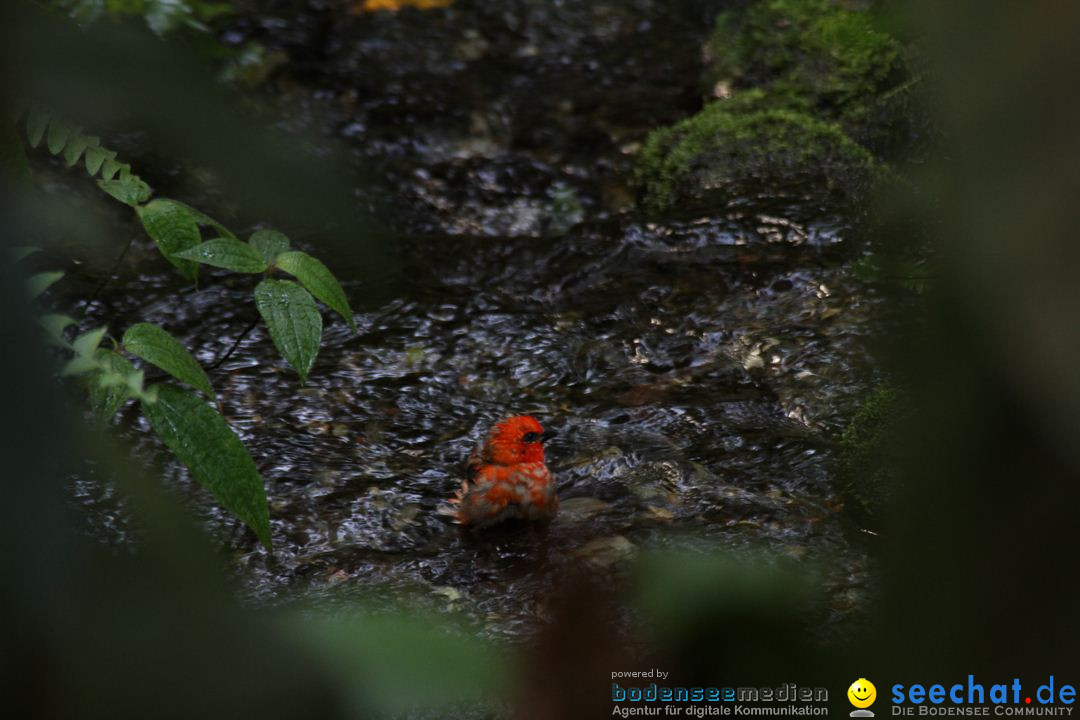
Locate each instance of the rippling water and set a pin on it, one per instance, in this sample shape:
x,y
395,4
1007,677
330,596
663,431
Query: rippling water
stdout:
x,y
694,371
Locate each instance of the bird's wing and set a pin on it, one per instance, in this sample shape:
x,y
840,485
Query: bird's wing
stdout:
x,y
487,499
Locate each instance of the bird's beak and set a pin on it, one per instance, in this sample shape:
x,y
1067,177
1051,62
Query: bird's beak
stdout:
x,y
547,435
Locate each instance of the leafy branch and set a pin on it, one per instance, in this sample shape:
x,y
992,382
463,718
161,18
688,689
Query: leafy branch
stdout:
x,y
195,431
113,176
289,310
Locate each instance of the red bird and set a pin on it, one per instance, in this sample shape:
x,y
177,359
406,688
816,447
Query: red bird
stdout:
x,y
509,478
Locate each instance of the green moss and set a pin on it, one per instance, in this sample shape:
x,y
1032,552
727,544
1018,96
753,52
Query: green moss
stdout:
x,y
816,98
864,432
869,457
744,142
812,54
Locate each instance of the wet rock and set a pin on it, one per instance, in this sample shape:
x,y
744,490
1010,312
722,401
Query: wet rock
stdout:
x,y
812,99
659,513
404,517
814,56
606,551
579,509
453,596
704,161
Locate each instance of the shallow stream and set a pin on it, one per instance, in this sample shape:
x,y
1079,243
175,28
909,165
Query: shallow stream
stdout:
x,y
697,372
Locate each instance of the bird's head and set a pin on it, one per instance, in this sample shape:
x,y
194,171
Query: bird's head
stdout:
x,y
519,439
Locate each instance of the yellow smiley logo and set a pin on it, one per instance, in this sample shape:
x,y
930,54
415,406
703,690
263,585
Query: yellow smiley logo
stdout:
x,y
862,693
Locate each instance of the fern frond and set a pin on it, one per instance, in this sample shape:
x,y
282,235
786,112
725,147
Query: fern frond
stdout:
x,y
61,137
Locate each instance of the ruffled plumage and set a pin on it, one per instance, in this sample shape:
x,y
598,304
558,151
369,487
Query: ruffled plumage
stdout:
x,y
510,478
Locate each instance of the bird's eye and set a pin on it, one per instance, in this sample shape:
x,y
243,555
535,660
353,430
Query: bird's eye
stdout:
x,y
531,437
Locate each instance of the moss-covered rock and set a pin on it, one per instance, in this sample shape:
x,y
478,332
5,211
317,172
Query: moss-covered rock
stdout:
x,y
869,456
814,99
811,55
746,144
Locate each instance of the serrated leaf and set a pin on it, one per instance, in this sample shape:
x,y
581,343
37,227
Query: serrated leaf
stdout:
x,y
294,322
88,342
216,457
226,253
58,135
95,156
130,190
74,149
319,281
37,284
108,386
159,348
174,229
36,122
269,244
55,325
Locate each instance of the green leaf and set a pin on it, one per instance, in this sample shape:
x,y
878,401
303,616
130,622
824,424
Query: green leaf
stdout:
x,y
87,343
226,253
294,321
58,135
36,122
318,280
204,219
174,229
269,243
130,191
74,149
135,384
41,282
95,156
108,387
78,365
203,441
111,168
55,325
159,348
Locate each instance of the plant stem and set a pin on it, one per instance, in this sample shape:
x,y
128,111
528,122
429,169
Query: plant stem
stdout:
x,y
235,345
109,275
